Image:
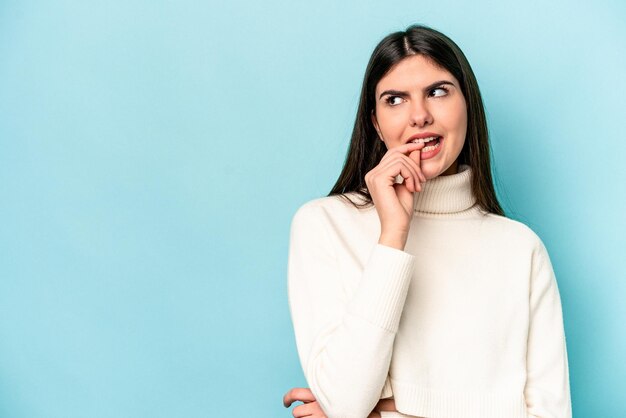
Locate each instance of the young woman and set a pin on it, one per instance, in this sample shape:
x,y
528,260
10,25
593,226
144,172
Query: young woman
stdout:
x,y
411,293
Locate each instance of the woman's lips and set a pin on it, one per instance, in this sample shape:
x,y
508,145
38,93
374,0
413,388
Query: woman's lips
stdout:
x,y
424,155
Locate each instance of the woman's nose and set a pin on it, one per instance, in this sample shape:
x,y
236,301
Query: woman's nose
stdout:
x,y
420,115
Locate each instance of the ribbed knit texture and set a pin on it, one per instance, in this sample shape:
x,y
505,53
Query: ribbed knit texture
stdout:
x,y
383,303
466,322
446,194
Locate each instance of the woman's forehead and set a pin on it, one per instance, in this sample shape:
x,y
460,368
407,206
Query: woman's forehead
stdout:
x,y
416,72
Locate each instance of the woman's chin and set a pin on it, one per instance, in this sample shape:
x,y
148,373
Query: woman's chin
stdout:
x,y
430,174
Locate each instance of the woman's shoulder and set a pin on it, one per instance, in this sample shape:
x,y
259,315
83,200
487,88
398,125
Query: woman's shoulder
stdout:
x,y
335,203
334,207
513,229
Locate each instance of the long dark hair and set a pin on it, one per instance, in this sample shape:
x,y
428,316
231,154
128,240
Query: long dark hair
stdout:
x,y
366,150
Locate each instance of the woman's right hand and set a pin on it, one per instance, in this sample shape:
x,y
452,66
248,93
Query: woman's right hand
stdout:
x,y
393,201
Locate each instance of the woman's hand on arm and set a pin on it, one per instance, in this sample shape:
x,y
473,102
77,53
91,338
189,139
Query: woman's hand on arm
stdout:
x,y
394,202
344,336
312,408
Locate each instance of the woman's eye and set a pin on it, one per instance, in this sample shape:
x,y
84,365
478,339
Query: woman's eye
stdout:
x,y
445,91
390,100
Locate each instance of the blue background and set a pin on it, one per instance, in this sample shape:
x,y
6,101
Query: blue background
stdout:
x,y
152,154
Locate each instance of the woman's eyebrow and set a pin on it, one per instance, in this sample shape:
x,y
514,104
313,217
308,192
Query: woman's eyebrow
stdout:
x,y
406,93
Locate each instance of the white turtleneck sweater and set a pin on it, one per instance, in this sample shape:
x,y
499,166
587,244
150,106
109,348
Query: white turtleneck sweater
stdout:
x,y
466,322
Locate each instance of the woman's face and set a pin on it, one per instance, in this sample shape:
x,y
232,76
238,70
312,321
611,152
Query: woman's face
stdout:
x,y
418,97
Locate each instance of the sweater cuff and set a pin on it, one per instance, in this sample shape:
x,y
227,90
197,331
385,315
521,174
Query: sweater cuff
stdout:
x,y
383,288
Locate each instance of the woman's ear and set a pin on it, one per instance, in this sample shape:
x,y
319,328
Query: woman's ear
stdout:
x,y
375,123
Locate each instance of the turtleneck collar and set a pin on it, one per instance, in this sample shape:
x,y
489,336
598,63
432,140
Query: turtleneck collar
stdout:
x,y
447,196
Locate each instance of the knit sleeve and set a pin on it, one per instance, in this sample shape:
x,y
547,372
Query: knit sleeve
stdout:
x,y
547,390
344,343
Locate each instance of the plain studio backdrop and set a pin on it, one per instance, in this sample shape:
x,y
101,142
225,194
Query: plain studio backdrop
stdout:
x,y
152,154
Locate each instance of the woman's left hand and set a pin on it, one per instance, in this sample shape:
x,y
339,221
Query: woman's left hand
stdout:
x,y
312,408
309,408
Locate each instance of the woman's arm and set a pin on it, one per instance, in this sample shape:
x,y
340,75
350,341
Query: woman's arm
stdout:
x,y
547,390
344,344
